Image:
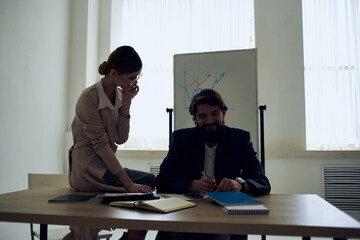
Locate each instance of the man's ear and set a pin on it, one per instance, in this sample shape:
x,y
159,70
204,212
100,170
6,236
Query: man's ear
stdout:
x,y
224,112
194,119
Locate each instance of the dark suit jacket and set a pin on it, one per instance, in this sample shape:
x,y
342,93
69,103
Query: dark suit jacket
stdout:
x,y
235,157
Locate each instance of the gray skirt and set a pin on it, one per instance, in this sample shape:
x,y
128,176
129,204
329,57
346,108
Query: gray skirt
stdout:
x,y
139,177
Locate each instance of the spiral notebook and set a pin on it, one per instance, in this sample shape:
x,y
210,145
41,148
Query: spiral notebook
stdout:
x,y
246,209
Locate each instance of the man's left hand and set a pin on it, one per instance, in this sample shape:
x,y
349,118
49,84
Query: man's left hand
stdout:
x,y
228,184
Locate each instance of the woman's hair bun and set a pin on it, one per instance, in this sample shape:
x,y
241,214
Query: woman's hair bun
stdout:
x,y
103,68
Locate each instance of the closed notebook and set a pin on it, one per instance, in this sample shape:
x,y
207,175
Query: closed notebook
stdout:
x,y
246,209
232,198
163,205
112,197
73,198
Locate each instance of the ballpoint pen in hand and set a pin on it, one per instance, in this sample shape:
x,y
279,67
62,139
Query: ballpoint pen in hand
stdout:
x,y
204,174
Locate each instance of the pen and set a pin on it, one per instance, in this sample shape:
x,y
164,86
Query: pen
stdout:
x,y
74,189
204,174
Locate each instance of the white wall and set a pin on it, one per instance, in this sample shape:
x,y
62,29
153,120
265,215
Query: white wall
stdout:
x,y
289,167
44,64
278,36
34,53
34,68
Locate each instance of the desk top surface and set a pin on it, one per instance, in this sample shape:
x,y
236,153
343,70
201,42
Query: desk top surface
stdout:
x,y
292,214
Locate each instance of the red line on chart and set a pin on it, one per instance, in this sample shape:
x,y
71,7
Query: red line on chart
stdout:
x,y
198,84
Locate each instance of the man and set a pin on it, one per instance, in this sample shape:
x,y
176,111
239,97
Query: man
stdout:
x,y
224,154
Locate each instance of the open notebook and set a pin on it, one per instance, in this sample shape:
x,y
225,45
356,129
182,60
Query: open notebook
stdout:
x,y
163,205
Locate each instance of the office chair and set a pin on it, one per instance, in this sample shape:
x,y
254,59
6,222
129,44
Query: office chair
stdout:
x,y
55,180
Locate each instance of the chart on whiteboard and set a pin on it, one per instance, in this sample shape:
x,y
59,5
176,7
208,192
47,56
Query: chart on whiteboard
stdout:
x,y
231,73
193,86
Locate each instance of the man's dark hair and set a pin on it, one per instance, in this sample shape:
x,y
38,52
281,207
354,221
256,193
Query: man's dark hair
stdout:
x,y
207,96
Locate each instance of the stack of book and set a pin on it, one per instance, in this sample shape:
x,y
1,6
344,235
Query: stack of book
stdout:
x,y
234,202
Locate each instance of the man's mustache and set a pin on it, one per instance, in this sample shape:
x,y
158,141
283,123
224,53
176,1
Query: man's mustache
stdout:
x,y
210,124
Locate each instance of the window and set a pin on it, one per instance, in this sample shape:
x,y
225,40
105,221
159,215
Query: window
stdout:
x,y
332,81
158,29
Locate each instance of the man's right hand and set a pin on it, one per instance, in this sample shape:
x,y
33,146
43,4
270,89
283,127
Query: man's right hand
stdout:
x,y
203,185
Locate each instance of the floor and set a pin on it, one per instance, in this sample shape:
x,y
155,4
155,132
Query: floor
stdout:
x,y
152,234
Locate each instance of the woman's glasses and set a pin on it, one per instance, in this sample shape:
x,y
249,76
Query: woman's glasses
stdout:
x,y
130,81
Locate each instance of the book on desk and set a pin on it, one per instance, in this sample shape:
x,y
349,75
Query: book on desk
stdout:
x,y
112,197
162,205
234,202
246,209
73,198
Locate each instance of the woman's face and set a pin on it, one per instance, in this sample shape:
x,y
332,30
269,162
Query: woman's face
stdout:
x,y
127,80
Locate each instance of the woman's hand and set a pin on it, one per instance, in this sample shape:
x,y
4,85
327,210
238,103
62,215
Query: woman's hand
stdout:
x,y
131,186
131,92
138,188
127,95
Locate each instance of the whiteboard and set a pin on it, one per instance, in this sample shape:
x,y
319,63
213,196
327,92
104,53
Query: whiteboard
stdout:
x,y
231,73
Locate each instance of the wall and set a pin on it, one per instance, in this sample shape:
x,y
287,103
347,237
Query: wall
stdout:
x,y
34,53
44,61
289,167
278,34
89,46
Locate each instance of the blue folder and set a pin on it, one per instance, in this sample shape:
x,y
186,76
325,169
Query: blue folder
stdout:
x,y
232,198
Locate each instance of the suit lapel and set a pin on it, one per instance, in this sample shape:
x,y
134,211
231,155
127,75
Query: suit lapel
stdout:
x,y
221,157
198,152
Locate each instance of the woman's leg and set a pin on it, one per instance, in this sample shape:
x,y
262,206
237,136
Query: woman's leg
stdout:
x,y
136,176
137,234
140,177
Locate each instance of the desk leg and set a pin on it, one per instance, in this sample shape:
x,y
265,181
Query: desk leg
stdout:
x,y
339,238
43,232
306,238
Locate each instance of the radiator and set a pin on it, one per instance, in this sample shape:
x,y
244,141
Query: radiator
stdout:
x,y
154,168
341,186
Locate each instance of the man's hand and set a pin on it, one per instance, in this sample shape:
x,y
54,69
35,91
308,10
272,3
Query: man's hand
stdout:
x,y
227,184
203,185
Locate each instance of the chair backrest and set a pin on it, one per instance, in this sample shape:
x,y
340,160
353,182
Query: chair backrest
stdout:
x,y
47,180
55,180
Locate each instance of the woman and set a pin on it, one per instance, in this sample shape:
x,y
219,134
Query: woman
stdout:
x,y
101,120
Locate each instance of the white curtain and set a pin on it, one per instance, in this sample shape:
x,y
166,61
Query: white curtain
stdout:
x,y
158,29
332,80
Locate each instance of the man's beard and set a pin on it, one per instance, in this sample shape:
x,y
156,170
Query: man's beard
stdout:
x,y
212,136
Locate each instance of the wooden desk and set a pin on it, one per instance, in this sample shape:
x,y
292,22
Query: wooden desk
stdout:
x,y
292,215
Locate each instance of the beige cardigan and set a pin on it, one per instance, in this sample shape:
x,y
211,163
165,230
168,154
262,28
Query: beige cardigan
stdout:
x,y
95,134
